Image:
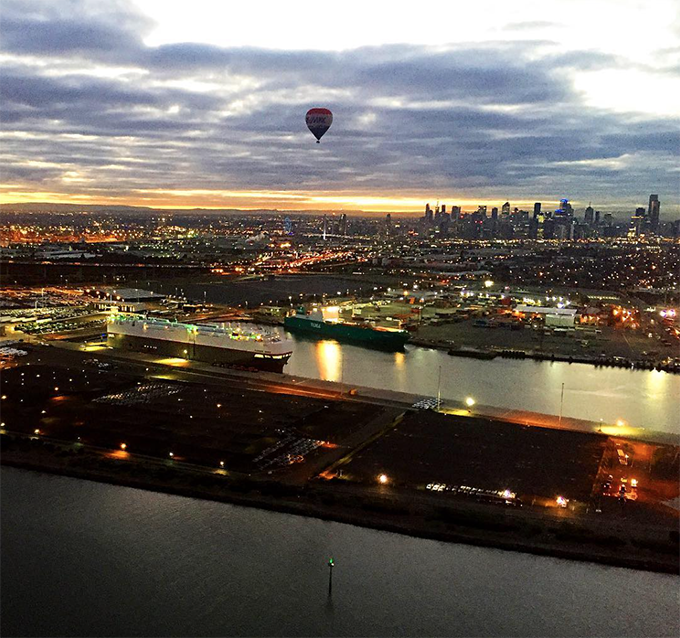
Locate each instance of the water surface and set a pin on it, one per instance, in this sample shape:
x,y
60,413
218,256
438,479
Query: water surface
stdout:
x,y
87,559
640,397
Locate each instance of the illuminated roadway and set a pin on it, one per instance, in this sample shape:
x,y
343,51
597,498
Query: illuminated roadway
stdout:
x,y
182,369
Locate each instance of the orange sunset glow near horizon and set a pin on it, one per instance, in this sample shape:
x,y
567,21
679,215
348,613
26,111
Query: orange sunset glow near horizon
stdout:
x,y
283,201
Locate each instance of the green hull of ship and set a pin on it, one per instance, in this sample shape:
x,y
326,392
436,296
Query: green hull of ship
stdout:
x,y
385,339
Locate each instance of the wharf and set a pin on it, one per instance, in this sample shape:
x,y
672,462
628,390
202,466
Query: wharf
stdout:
x,y
304,386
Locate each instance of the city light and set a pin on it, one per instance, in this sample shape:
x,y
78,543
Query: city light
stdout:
x,y
469,401
383,479
123,446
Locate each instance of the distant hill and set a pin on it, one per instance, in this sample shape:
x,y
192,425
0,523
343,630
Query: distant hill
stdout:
x,y
48,207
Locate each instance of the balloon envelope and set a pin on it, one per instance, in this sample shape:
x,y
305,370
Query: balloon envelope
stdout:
x,y
318,122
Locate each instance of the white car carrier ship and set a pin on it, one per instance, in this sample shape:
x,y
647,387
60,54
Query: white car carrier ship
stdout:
x,y
213,343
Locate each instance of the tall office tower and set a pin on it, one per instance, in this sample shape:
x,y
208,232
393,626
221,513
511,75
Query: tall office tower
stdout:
x,y
482,211
640,211
540,226
443,209
636,224
388,224
494,213
548,228
565,209
537,209
505,209
608,220
455,212
589,216
597,217
429,215
533,228
653,212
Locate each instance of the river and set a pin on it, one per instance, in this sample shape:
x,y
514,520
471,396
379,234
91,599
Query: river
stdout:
x,y
87,559
641,398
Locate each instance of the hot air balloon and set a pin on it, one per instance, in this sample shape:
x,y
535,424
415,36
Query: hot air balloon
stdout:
x,y
318,122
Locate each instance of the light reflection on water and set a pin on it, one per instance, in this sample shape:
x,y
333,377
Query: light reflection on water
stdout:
x,y
329,360
642,398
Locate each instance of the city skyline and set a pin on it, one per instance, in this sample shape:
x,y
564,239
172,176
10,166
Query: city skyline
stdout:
x,y
137,103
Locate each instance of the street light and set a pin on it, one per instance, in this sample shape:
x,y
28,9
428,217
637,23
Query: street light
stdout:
x,y
382,479
469,401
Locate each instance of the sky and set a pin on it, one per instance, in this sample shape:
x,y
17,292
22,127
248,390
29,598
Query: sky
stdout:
x,y
202,103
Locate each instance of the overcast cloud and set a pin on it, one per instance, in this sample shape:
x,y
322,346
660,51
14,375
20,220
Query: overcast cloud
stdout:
x,y
89,109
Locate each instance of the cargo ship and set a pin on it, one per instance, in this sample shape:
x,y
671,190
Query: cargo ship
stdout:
x,y
221,344
314,324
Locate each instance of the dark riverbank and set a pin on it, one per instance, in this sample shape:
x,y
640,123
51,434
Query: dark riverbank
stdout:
x,y
509,353
623,545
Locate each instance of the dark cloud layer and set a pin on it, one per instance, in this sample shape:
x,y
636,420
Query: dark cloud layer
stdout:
x,y
83,96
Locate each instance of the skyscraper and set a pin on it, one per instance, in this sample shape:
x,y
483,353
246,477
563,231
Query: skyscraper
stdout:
x,y
388,224
589,216
505,209
537,209
653,212
636,222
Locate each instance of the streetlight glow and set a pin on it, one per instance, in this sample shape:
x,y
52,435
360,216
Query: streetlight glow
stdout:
x,y
469,401
383,480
